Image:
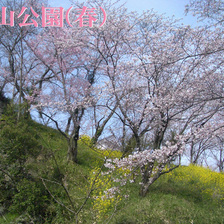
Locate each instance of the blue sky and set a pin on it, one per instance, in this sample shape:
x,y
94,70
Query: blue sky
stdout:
x,y
169,7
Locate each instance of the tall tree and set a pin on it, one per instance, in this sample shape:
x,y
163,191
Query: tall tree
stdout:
x,y
20,69
172,81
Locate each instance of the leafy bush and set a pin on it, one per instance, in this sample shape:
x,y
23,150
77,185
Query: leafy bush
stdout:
x,y
21,189
32,198
104,197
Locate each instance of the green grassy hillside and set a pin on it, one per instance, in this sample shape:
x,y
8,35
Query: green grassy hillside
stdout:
x,y
39,185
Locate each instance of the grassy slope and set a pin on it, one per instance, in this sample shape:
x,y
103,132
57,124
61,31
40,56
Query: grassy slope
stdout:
x,y
169,201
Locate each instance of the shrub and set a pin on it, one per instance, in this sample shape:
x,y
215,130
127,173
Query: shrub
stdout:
x,y
32,198
105,194
21,189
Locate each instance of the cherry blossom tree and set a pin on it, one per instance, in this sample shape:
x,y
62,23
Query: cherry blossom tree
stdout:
x,y
143,76
20,69
218,153
172,82
209,10
80,87
68,91
211,14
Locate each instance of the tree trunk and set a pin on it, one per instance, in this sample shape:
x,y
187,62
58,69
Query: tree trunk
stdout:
x,y
147,183
100,128
146,178
96,136
73,145
129,147
72,150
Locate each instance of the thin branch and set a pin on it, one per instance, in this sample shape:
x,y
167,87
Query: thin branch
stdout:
x,y
56,123
60,203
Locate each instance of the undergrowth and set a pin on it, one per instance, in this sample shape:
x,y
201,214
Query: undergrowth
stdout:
x,y
44,187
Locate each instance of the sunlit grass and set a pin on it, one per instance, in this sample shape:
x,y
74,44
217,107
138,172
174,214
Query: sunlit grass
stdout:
x,y
190,194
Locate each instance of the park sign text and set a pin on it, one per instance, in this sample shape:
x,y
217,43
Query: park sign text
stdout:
x,y
54,17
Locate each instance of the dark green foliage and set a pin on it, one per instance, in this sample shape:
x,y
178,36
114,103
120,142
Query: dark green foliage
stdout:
x,y
31,197
20,187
